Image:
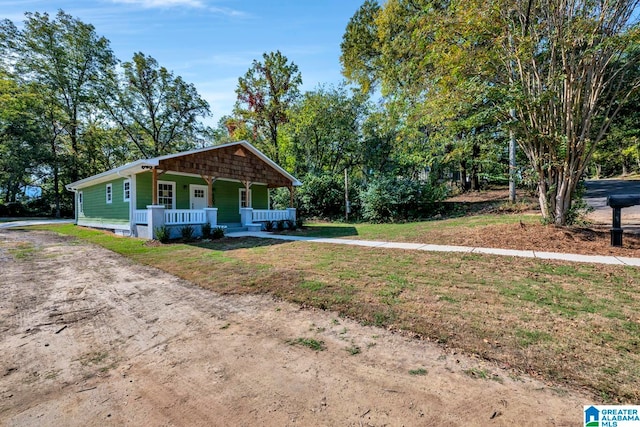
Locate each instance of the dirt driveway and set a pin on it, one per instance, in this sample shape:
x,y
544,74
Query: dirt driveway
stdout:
x,y
89,339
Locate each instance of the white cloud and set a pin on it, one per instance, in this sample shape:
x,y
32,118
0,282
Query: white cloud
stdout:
x,y
149,4
198,4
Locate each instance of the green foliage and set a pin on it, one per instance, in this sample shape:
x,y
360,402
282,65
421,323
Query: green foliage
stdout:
x,y
290,224
206,230
265,94
162,234
322,196
311,343
217,233
280,225
186,231
396,199
268,226
158,111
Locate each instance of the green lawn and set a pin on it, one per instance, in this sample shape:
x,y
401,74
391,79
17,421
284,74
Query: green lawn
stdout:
x,y
573,324
409,231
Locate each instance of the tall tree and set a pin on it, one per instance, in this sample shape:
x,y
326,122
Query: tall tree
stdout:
x,y
265,94
325,126
563,65
69,61
22,135
158,111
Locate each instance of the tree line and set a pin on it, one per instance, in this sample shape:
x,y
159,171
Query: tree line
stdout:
x,y
433,91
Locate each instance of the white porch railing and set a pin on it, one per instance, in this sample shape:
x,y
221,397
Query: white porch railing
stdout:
x,y
184,216
141,216
269,215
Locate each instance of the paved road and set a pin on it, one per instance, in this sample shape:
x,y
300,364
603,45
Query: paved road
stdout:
x,y
596,196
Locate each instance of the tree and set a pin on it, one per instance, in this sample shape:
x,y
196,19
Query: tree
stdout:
x,y
563,65
325,128
69,62
22,136
158,111
265,94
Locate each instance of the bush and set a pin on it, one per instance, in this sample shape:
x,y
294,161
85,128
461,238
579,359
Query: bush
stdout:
x,y
291,225
4,210
186,232
280,225
206,230
299,223
217,233
322,196
396,199
162,234
268,226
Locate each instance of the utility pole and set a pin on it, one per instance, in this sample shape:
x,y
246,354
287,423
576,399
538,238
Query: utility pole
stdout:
x,y
347,208
512,160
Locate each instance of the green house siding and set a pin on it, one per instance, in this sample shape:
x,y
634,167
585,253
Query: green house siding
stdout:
x,y
96,209
226,194
144,194
226,197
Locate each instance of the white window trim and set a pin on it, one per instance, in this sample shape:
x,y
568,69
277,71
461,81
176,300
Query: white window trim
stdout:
x,y
80,202
173,192
109,193
125,191
240,199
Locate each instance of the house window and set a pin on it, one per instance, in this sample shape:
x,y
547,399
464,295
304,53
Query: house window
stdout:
x,y
167,194
109,193
243,199
126,190
80,204
199,193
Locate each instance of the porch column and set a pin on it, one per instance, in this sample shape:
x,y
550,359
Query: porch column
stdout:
x,y
292,191
154,186
247,197
155,217
291,214
209,180
212,216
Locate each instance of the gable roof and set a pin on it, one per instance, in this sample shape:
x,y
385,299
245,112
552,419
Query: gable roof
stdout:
x,y
216,161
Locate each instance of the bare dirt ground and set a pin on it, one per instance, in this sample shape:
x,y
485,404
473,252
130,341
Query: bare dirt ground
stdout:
x,y
88,338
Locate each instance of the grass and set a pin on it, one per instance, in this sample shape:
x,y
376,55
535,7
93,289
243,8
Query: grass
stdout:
x,y
571,324
311,343
419,371
410,231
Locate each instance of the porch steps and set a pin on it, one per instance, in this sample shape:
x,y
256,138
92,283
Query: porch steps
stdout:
x,y
237,227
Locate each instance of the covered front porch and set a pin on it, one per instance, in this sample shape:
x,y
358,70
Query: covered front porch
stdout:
x,y
221,186
146,220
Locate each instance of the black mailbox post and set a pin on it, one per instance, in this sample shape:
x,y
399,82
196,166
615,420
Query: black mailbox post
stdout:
x,y
617,203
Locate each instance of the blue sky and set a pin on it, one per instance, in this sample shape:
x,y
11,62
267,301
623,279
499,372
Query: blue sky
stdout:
x,y
211,43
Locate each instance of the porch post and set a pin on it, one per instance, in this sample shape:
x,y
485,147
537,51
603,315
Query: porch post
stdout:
x,y
155,219
209,180
154,186
212,216
291,195
247,197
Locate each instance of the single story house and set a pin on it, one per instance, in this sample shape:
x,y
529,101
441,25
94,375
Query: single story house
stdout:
x,y
224,185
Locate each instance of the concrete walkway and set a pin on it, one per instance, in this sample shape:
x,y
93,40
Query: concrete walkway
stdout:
x,y
590,259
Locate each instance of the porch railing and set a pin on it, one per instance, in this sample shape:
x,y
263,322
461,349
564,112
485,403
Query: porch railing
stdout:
x,y
269,215
184,216
140,216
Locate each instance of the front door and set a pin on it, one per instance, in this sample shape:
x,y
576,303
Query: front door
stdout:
x,y
198,196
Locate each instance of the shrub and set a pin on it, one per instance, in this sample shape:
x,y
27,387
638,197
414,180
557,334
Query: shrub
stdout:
x,y
396,199
291,225
268,226
322,196
162,234
217,233
4,210
280,225
206,230
299,223
187,232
